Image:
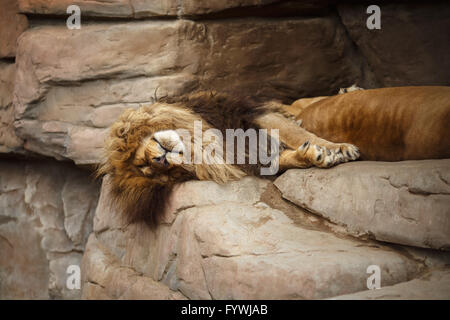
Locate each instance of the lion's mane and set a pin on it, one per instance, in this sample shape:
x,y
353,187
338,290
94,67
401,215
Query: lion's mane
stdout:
x,y
141,198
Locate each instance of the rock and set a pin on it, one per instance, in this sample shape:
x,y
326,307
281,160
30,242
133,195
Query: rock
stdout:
x,y
58,266
12,24
230,249
400,202
251,7
410,46
431,258
9,142
66,98
110,8
52,204
24,270
167,8
432,286
106,278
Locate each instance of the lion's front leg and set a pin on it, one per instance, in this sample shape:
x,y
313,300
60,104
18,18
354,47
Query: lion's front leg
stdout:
x,y
304,148
308,155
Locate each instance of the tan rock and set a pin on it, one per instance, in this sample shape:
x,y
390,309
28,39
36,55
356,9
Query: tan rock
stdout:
x,y
171,8
24,270
227,249
434,285
9,142
404,202
46,211
110,8
106,278
12,24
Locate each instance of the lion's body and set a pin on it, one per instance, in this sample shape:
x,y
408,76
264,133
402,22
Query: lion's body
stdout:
x,y
145,147
390,124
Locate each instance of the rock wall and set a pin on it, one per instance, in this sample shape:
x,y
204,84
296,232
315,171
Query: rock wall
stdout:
x,y
60,89
46,212
65,97
242,241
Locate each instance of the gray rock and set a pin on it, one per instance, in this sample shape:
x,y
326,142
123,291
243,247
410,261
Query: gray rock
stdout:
x,y
46,212
105,278
409,48
9,142
163,8
404,202
432,286
230,249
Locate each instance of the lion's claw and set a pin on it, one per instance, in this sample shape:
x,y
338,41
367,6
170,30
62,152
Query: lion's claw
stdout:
x,y
329,155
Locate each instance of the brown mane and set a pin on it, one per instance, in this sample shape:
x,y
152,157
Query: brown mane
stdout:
x,y
144,199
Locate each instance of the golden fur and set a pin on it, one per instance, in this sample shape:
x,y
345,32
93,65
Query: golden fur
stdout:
x,y
389,124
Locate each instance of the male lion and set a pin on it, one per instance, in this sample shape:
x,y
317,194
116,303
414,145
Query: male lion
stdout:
x,y
145,150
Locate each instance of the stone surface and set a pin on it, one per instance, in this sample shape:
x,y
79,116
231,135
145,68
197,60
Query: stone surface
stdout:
x,y
225,248
65,98
12,24
240,240
9,142
109,8
251,7
46,212
166,8
405,202
106,278
410,47
432,286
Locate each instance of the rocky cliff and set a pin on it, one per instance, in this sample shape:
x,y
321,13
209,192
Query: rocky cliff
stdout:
x,y
310,234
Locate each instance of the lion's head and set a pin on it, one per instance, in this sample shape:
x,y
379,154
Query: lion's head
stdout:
x,y
141,155
144,157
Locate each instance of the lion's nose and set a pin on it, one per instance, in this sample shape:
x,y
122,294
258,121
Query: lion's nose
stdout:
x,y
161,160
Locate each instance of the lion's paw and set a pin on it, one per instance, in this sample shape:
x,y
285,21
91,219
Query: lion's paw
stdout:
x,y
328,155
348,152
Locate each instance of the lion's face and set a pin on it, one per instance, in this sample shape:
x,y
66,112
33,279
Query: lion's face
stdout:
x,y
159,152
145,157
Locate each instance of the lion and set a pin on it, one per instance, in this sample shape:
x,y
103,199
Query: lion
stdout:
x,y
388,124
147,149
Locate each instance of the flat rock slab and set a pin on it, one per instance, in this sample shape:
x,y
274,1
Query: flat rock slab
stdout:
x,y
161,8
226,249
404,202
432,286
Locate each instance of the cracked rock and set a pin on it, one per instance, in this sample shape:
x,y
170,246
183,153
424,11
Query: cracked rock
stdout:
x,y
46,211
400,202
231,249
